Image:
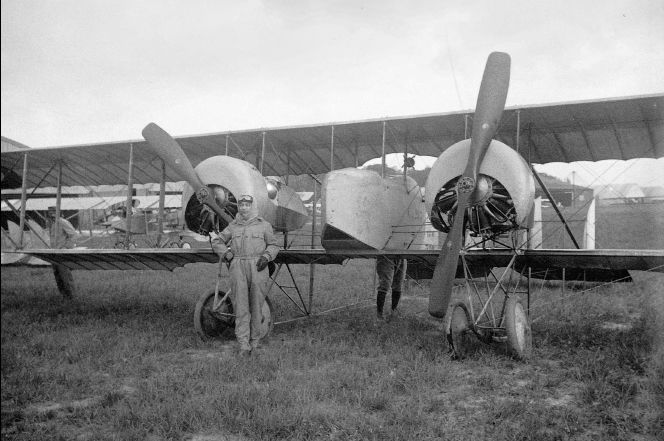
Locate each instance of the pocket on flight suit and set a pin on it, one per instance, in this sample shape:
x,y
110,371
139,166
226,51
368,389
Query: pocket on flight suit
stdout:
x,y
256,244
236,243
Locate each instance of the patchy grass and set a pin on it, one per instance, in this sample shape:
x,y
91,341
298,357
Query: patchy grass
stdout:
x,y
121,361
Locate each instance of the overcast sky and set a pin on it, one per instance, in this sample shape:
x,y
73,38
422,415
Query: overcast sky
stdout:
x,y
91,71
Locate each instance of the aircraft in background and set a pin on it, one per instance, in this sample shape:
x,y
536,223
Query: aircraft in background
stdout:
x,y
366,215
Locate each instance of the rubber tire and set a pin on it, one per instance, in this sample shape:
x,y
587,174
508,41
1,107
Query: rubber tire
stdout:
x,y
268,318
517,328
208,326
457,330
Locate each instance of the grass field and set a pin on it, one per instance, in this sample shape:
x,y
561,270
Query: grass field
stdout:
x,y
122,362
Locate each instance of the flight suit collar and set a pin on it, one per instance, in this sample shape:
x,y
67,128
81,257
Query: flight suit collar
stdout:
x,y
249,221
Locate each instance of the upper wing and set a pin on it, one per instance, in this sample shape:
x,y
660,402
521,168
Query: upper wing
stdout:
x,y
624,129
619,128
589,265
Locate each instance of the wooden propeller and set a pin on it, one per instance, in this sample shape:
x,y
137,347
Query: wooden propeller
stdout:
x,y
488,111
164,146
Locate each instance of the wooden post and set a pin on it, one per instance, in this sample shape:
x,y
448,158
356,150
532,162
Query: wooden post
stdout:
x,y
357,157
405,168
375,273
332,150
313,217
24,199
91,223
530,141
518,128
130,194
162,202
288,171
312,266
530,275
58,208
382,169
63,277
262,153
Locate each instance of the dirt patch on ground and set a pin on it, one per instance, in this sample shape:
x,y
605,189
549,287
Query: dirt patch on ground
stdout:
x,y
61,409
219,352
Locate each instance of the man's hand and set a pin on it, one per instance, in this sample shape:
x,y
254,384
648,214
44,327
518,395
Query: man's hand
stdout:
x,y
228,256
261,264
218,248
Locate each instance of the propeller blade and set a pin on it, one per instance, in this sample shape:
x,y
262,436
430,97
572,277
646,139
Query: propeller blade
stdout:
x,y
167,148
488,111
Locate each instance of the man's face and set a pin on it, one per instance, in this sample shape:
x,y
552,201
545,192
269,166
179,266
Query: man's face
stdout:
x,y
244,208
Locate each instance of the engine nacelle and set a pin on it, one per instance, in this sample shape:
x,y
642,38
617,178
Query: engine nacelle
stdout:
x,y
503,195
229,178
362,210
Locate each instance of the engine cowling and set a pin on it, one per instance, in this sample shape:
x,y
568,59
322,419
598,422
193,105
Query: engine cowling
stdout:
x,y
502,198
229,178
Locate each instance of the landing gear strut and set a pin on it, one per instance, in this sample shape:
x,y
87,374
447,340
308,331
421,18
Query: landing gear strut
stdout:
x,y
492,311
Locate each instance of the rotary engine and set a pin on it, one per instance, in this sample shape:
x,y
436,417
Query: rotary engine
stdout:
x,y
227,178
201,219
502,198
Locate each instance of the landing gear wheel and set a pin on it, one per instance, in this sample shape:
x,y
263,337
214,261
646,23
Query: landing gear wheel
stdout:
x,y
220,323
210,323
458,331
267,322
517,328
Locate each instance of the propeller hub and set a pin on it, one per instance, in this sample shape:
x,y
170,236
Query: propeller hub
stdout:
x,y
465,184
272,188
202,194
483,190
220,196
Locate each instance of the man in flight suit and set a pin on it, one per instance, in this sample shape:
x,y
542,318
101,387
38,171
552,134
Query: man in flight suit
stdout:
x,y
248,244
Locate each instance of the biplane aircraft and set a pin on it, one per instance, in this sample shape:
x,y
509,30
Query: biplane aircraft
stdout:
x,y
488,177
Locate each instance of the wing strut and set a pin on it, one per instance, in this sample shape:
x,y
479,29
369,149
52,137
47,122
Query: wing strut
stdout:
x,y
555,206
